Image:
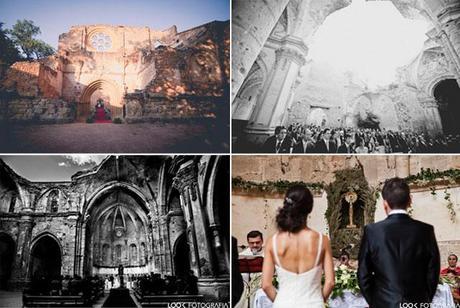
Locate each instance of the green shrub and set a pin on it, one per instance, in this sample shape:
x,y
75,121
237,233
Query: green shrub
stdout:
x,y
90,119
117,121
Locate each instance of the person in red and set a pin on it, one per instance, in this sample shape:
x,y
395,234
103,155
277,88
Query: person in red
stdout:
x,y
453,273
452,261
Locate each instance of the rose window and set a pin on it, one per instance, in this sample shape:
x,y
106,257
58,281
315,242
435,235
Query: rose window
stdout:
x,y
101,41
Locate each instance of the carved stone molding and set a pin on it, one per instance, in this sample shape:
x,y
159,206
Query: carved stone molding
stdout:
x,y
185,177
429,103
291,54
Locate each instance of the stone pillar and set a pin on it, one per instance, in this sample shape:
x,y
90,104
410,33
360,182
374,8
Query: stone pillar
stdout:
x,y
275,99
20,275
285,118
433,119
449,34
252,23
198,237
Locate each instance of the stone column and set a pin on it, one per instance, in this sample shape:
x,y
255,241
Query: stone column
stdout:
x,y
449,34
277,93
433,119
285,117
252,23
198,237
20,275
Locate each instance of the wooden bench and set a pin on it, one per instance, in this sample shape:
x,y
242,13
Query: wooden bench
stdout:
x,y
53,301
160,301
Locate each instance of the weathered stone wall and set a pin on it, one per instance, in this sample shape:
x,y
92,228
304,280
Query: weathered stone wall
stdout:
x,y
34,79
146,108
257,211
38,110
163,63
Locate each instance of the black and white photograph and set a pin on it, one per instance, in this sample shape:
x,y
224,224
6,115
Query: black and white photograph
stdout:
x,y
345,76
114,231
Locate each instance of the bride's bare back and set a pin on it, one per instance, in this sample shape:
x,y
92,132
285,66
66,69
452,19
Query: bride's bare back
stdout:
x,y
301,258
297,252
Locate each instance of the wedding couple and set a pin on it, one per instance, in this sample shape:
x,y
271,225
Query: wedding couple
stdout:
x,y
398,259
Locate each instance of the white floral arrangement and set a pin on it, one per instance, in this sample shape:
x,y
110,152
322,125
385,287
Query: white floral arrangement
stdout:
x,y
345,279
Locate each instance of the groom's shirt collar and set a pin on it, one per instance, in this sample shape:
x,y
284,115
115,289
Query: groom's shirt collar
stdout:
x,y
397,211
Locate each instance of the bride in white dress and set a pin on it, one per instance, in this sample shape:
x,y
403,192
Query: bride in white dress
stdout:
x,y
299,255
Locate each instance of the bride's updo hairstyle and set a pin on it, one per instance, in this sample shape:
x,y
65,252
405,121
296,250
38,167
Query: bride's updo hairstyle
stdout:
x,y
298,203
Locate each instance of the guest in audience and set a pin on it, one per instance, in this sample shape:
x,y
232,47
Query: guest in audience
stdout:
x,y
452,267
255,242
279,143
361,148
326,144
347,146
375,140
306,144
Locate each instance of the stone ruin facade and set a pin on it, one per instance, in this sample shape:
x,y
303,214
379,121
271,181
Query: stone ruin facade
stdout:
x,y
141,73
150,214
274,84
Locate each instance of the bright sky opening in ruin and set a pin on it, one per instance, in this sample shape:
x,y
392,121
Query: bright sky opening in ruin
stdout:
x,y
371,39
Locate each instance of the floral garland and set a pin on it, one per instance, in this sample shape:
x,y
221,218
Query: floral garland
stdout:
x,y
280,186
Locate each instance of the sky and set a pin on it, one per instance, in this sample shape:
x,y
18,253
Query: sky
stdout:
x,y
51,168
57,16
370,39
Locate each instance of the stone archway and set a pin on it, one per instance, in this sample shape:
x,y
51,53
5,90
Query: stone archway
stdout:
x,y
117,231
7,251
317,117
45,257
181,256
108,91
447,93
177,228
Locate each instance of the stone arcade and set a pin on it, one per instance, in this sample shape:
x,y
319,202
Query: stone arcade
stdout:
x,y
274,84
141,74
150,214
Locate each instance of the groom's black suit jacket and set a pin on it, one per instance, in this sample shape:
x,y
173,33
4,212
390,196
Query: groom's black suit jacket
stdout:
x,y
398,262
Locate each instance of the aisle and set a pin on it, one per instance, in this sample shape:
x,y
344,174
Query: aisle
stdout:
x,y
120,297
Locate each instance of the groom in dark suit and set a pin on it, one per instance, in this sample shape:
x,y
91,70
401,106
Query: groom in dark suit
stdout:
x,y
399,256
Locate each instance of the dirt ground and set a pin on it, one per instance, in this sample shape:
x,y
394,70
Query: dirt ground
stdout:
x,y
113,138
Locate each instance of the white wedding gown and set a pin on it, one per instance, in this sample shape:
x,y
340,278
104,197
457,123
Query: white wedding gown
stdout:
x,y
299,290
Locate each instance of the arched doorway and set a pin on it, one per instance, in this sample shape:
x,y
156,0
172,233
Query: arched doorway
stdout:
x,y
45,258
447,95
181,256
7,249
108,91
317,117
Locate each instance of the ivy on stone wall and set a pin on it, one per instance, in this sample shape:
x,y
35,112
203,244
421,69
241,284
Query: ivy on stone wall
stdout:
x,y
348,180
279,186
432,178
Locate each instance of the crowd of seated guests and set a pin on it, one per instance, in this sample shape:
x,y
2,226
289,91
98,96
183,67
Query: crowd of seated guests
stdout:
x,y
88,287
154,284
314,139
